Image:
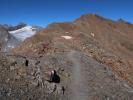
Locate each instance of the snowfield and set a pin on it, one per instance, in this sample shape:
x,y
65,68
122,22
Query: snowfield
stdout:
x,y
23,33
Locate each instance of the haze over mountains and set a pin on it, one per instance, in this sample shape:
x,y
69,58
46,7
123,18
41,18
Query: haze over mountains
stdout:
x,y
92,55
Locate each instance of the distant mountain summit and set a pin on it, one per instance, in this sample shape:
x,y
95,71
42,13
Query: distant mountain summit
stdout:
x,y
11,36
23,33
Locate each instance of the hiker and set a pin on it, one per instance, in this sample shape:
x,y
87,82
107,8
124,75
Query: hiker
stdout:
x,y
54,77
63,89
26,62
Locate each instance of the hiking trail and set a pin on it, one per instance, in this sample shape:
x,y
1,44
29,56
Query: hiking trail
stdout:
x,y
78,83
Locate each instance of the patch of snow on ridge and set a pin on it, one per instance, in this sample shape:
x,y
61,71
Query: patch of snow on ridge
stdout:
x,y
23,33
67,37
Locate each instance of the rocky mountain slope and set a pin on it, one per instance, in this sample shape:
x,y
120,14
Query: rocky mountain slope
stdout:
x,y
7,41
107,41
92,55
82,77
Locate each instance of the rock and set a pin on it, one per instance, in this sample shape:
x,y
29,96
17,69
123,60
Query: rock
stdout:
x,y
34,83
51,87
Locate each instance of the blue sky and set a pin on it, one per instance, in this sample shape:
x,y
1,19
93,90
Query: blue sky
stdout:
x,y
43,12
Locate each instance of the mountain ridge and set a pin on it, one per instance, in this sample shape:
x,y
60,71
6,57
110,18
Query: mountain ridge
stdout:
x,y
93,57
93,30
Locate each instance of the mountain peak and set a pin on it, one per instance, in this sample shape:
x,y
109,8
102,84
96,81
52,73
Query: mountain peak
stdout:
x,y
123,21
86,17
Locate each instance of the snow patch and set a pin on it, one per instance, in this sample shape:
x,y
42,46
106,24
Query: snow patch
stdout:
x,y
23,33
67,32
10,46
67,37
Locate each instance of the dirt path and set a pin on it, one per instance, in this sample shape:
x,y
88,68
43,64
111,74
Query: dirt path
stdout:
x,y
78,83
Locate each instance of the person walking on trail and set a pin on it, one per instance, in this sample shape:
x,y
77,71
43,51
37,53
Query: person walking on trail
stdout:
x,y
54,78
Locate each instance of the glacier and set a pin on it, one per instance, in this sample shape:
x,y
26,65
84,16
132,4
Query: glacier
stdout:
x,y
23,33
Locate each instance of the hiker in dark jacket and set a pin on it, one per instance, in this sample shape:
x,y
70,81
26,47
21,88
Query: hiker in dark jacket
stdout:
x,y
54,77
